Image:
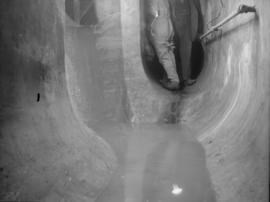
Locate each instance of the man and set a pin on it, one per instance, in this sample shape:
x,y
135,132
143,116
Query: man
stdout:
x,y
188,23
161,35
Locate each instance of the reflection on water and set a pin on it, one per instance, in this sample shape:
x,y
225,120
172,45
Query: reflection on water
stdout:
x,y
160,163
175,170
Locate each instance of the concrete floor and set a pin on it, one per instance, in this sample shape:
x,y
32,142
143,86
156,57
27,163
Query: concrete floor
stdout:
x,y
81,120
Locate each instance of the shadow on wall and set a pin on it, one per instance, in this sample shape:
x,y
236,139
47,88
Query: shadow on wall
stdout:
x,y
94,52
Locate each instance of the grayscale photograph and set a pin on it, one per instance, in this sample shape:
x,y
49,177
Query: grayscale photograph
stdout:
x,y
134,100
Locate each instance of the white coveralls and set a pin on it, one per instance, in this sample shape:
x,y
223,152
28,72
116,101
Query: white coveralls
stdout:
x,y
161,36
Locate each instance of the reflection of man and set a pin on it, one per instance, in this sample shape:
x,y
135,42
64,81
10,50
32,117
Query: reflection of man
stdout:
x,y
187,19
161,36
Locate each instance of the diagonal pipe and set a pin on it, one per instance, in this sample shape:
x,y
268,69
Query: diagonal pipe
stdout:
x,y
241,9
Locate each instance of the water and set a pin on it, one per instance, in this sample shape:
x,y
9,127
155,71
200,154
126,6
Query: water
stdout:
x,y
159,163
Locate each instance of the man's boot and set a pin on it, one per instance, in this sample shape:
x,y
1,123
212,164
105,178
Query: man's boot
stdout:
x,y
172,85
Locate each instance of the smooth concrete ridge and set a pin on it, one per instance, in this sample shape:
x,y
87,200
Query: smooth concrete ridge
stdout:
x,y
81,121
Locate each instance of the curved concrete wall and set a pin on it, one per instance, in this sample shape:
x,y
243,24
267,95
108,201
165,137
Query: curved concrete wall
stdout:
x,y
230,106
46,153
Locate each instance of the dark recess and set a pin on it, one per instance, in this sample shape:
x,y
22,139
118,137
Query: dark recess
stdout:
x,y
152,66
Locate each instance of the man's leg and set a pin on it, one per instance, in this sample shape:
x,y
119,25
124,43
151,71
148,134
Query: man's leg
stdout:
x,y
167,59
161,35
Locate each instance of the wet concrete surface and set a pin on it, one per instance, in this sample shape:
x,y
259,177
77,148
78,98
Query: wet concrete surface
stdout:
x,y
155,158
172,160
102,130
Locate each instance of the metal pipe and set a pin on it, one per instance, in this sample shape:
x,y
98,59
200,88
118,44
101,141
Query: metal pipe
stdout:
x,y
241,9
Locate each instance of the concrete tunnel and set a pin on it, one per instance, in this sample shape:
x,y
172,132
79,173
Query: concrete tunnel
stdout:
x,y
82,121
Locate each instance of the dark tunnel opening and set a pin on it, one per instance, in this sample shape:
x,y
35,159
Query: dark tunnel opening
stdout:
x,y
84,13
196,59
152,66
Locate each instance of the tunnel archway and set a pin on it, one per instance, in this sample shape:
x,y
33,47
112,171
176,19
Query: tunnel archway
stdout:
x,y
150,60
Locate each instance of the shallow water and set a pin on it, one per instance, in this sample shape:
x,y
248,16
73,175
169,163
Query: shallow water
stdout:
x,y
159,163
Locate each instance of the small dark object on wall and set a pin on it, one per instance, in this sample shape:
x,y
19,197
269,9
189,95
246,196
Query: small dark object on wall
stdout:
x,y
38,97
